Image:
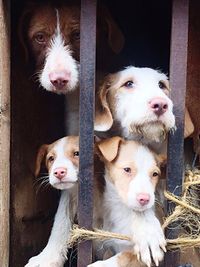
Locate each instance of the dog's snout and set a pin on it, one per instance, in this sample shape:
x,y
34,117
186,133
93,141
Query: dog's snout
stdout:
x,y
59,79
60,173
143,198
159,105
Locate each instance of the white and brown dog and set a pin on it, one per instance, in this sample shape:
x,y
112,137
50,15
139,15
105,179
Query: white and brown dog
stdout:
x,y
137,99
61,159
131,174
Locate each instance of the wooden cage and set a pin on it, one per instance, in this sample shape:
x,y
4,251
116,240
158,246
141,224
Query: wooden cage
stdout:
x,y
26,217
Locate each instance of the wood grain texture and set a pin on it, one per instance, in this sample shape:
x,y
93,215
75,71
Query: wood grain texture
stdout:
x,y
4,134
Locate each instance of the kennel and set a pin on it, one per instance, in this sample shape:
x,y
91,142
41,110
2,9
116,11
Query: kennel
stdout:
x,y
26,217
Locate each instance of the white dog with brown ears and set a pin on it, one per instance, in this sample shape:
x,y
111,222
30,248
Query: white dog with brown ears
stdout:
x,y
135,104
131,174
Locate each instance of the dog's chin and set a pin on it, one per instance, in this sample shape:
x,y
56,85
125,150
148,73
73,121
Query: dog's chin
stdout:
x,y
154,131
64,185
138,208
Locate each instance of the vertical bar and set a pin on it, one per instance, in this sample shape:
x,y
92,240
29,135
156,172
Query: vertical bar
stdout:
x,y
4,132
87,93
178,77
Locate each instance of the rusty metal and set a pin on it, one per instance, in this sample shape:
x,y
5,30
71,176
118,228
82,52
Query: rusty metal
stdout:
x,y
87,94
178,77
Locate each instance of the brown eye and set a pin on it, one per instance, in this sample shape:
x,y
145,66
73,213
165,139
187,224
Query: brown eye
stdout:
x,y
40,37
129,84
155,174
76,153
76,35
161,85
51,159
127,169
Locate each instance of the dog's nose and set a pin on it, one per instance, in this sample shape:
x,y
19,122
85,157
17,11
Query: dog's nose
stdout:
x,y
60,173
158,105
59,79
143,198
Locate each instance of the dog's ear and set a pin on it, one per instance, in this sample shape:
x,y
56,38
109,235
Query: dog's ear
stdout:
x,y
109,147
23,28
189,126
161,159
103,115
40,158
114,34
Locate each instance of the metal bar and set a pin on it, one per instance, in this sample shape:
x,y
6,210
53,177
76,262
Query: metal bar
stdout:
x,y
87,94
178,77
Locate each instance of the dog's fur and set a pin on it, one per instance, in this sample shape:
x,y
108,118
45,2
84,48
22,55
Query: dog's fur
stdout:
x,y
61,159
50,34
131,171
124,99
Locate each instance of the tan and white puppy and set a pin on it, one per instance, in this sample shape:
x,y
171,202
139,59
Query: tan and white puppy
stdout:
x,y
138,100
61,159
131,174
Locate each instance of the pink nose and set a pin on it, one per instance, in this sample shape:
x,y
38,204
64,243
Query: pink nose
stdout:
x,y
60,173
143,198
59,79
158,105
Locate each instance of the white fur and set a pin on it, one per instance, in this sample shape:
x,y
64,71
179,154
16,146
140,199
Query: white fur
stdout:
x,y
132,104
59,58
129,218
62,161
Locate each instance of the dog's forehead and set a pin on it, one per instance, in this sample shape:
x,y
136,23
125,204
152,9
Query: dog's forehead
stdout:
x,y
142,74
65,145
45,18
134,153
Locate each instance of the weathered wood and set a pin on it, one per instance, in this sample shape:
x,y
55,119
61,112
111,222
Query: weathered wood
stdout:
x,y
87,93
4,132
178,77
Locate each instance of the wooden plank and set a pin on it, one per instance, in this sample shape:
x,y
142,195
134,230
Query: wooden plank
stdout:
x,y
4,132
178,76
87,94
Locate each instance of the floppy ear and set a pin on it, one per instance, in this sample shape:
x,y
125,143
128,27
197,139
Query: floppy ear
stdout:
x,y
109,147
103,115
114,34
189,126
39,159
23,28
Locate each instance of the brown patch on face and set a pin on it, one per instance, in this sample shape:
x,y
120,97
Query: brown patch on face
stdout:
x,y
128,259
42,28
164,85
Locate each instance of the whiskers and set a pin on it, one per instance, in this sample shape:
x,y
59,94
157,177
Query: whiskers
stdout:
x,y
42,182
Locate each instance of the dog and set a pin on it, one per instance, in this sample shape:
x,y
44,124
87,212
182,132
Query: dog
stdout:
x,y
61,159
50,34
135,104
131,175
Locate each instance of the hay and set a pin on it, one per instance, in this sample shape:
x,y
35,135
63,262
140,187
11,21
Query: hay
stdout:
x,y
186,215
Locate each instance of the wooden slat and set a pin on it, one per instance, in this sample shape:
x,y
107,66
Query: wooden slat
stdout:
x,y
87,93
178,75
4,133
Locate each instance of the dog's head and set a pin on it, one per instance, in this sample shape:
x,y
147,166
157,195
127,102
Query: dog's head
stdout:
x,y
132,169
51,35
61,160
138,99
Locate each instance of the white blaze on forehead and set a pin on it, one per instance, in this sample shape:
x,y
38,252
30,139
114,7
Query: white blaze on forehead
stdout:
x,y
59,59
144,162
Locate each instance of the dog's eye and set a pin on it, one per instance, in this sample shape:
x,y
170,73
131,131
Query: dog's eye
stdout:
x,y
129,84
40,37
127,169
76,153
76,35
51,158
155,174
161,85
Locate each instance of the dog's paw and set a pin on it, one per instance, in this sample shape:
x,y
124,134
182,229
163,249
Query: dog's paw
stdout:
x,y
150,242
45,259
